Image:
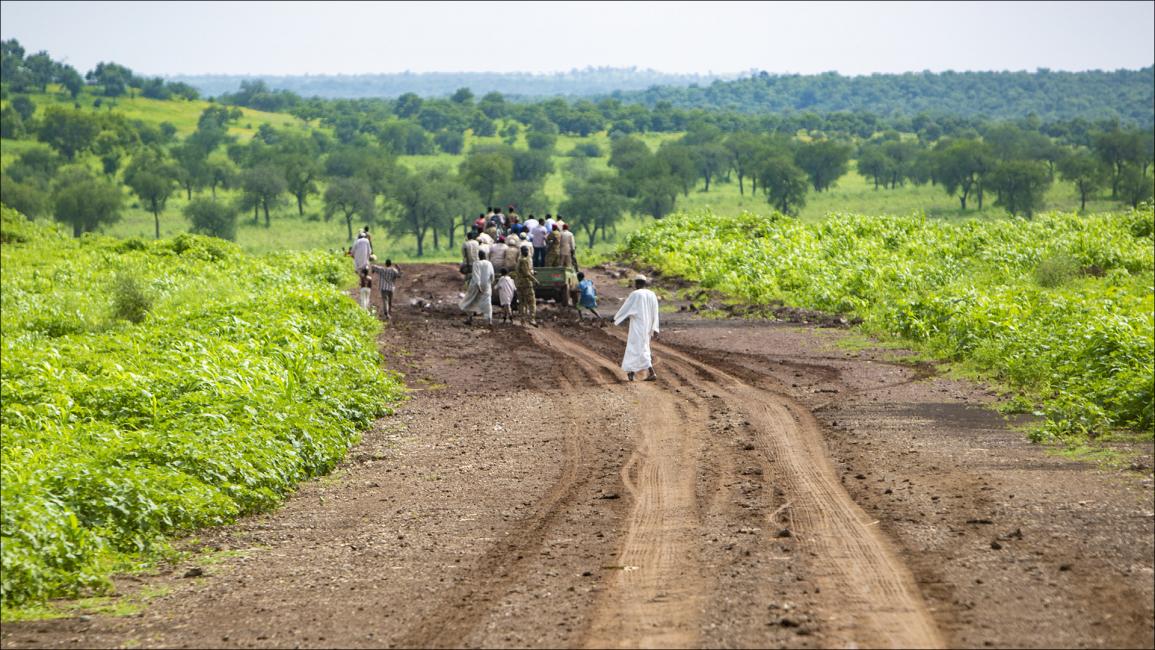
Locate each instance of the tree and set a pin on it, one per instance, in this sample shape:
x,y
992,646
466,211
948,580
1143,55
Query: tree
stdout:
x,y
24,106
220,172
679,161
743,147
298,158
212,218
11,124
824,162
352,198
68,131
783,183
408,105
191,167
874,163
84,201
451,142
153,180
29,198
425,199
1118,149
493,105
1135,187
594,204
540,140
41,70
1021,186
657,195
485,173
711,159
462,96
113,77
264,185
961,166
1086,173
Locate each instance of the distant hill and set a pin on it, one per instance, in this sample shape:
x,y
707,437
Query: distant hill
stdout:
x,y
575,83
1128,95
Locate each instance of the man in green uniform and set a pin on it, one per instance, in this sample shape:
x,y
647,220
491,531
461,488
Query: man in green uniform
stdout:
x,y
524,278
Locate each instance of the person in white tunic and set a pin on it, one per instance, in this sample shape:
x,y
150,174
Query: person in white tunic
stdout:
x,y
479,295
641,307
360,251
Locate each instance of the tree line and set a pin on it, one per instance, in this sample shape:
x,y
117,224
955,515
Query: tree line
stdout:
x,y
355,174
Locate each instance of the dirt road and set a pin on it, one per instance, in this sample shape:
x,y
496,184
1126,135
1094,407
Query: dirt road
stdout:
x,y
770,490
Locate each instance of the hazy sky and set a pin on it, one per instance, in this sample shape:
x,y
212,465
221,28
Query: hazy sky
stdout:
x,y
852,38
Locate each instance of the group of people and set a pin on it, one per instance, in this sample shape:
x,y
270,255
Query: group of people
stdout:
x,y
501,252
488,257
363,264
505,238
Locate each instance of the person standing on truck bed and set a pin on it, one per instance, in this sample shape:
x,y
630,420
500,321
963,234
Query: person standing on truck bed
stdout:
x,y
567,248
641,307
553,247
537,237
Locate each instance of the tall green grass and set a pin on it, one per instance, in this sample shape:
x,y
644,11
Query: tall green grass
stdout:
x,y
151,387
1060,306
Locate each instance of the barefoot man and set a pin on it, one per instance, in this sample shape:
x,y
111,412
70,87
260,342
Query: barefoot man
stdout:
x,y
641,307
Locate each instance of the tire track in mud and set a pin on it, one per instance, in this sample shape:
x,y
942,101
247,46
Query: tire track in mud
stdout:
x,y
875,598
504,564
653,600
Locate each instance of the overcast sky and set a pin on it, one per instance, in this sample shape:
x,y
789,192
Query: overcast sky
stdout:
x,y
853,38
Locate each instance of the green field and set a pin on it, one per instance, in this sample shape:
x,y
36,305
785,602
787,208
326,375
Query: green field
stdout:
x,y
1059,307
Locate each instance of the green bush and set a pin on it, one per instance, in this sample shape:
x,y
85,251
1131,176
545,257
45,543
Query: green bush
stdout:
x,y
248,375
1060,306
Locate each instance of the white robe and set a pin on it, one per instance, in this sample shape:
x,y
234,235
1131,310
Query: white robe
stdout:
x,y
641,307
480,292
361,251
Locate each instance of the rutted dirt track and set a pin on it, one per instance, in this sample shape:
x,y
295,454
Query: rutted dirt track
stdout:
x,y
768,491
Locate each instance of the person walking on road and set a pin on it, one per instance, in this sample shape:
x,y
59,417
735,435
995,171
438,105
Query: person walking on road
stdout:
x,y
386,277
641,307
479,296
506,290
524,279
588,296
360,251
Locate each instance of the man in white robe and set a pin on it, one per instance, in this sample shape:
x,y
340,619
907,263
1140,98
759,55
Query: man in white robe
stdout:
x,y
360,251
479,295
641,307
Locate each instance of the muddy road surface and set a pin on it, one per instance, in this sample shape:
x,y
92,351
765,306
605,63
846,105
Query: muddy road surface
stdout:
x,y
771,489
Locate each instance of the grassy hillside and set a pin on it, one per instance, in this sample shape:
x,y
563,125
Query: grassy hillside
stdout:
x,y
289,231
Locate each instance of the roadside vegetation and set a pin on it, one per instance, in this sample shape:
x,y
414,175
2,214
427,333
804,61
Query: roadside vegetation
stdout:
x,y
153,387
1059,307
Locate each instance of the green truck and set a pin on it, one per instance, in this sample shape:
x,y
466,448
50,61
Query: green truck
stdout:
x,y
558,283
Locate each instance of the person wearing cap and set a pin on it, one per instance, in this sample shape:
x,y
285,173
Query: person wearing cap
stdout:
x,y
361,249
641,307
553,247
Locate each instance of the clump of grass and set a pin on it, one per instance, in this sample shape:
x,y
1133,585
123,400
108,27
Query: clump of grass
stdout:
x,y
131,301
